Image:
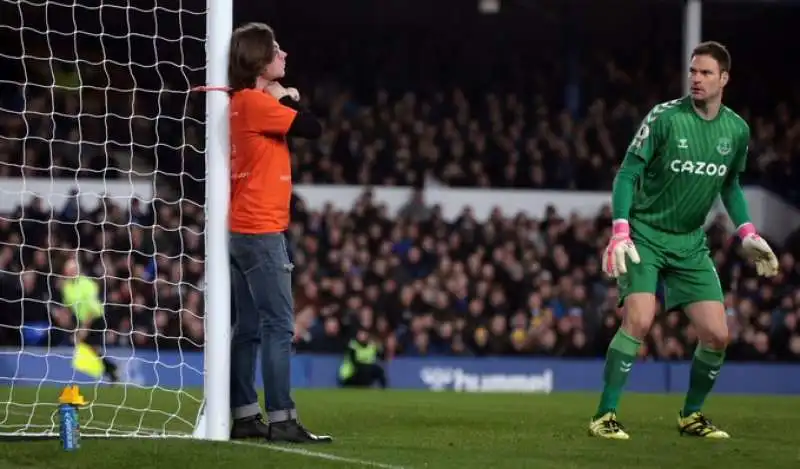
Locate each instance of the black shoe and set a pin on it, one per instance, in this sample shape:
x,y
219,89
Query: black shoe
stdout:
x,y
292,431
112,374
111,370
249,427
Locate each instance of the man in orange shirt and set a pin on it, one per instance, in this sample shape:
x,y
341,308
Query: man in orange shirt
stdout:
x,y
263,114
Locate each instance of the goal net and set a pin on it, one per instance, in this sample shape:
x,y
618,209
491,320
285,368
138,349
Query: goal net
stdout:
x,y
102,149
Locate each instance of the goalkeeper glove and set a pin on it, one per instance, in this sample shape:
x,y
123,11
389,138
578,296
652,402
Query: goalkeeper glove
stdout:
x,y
619,246
757,251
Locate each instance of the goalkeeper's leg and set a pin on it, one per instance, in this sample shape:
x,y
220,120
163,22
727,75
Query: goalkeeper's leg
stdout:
x,y
637,290
621,355
694,284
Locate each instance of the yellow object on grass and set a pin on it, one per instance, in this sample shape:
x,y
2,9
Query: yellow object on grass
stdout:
x,y
87,361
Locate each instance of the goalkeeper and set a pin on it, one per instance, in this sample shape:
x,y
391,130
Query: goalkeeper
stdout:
x,y
686,153
81,295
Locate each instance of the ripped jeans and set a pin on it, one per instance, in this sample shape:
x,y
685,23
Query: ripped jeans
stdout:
x,y
262,315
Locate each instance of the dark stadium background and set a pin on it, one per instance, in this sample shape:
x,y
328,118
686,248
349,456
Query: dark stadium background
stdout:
x,y
386,77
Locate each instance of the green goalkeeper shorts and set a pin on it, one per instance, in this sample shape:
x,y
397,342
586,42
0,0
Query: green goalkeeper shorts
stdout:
x,y
687,270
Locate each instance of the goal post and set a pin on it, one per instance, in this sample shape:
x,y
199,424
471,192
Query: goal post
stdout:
x,y
219,25
100,140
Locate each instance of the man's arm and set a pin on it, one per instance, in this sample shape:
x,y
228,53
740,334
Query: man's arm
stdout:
x,y
624,185
263,113
92,296
304,124
732,194
267,114
733,199
755,248
86,307
640,152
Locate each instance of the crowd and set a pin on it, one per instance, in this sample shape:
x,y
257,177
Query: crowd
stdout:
x,y
148,262
441,113
509,140
513,285
450,137
423,285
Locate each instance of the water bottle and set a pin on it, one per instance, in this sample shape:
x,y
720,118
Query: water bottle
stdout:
x,y
69,426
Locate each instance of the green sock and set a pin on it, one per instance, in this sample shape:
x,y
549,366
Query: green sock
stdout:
x,y
621,355
705,368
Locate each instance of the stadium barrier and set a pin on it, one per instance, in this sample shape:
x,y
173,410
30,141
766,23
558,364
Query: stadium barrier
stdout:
x,y
774,217
770,213
37,367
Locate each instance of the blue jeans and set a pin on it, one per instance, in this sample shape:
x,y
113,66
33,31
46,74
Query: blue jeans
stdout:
x,y
262,314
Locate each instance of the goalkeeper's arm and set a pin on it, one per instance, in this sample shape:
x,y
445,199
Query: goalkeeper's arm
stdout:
x,y
620,245
733,199
624,183
731,194
755,247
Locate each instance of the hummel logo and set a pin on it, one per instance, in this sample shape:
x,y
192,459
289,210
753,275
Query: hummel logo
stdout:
x,y
683,143
713,374
625,366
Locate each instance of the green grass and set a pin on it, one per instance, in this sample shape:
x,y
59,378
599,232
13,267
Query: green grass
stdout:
x,y
420,430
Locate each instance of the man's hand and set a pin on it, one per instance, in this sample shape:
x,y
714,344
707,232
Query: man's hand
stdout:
x,y
293,93
757,251
279,91
619,246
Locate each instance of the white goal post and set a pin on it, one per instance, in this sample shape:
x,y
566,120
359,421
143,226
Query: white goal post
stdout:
x,y
219,23
98,130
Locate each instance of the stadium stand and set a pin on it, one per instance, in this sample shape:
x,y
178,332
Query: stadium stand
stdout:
x,y
514,285
426,286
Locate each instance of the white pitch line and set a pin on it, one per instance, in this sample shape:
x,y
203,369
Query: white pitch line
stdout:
x,y
284,449
317,455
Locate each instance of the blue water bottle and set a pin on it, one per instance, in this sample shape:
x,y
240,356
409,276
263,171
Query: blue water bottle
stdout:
x,y
69,427
69,418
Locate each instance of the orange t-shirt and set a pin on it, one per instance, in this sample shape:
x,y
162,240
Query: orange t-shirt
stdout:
x,y
261,168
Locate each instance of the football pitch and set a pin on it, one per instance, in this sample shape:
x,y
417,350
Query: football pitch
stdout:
x,y
405,429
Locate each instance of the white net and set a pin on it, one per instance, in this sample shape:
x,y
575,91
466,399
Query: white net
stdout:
x,y
101,160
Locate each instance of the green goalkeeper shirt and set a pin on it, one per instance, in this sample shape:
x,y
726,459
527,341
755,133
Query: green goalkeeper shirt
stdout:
x,y
81,295
675,168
